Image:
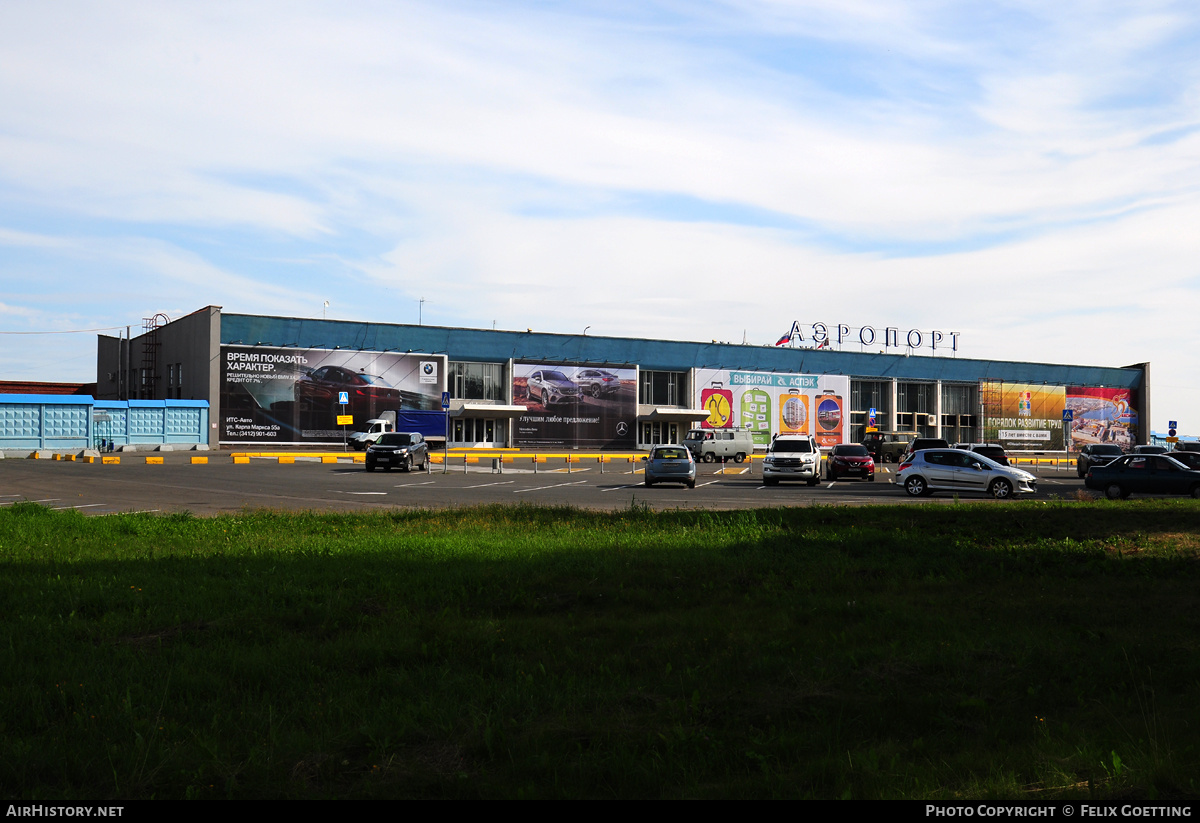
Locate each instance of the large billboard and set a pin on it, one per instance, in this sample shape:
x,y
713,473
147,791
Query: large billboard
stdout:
x,y
770,403
575,406
281,396
1025,416
1101,415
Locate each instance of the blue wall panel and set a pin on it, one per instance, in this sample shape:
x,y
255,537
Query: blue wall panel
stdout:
x,y
54,422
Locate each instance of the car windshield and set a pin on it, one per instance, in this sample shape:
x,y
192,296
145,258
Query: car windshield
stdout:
x,y
374,380
395,440
791,446
554,375
1107,450
851,451
669,454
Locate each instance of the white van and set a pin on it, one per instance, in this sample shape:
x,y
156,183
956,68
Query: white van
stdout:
x,y
716,444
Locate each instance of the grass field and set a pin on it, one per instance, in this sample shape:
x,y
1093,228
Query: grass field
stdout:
x,y
1022,651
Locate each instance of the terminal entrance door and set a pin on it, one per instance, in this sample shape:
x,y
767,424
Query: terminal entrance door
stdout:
x,y
657,432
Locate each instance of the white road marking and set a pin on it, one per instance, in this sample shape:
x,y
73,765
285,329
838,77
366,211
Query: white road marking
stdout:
x,y
344,492
80,506
618,488
709,483
421,483
555,486
497,483
139,511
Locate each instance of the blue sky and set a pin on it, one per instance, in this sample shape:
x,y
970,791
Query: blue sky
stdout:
x,y
1024,173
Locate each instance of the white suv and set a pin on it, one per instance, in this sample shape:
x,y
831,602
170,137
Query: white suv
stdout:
x,y
792,457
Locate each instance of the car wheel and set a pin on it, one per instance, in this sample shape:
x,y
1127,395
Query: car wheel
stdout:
x,y
889,458
649,482
594,391
1001,489
408,463
871,479
1196,492
916,487
709,457
370,467
770,481
739,458
1114,492
691,484
812,481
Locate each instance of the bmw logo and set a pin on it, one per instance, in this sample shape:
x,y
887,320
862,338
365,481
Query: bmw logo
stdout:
x,y
427,367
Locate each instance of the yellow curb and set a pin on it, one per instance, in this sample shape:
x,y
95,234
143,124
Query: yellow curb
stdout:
x,y
196,460
88,459
154,461
237,459
286,459
359,458
328,459
109,461
58,457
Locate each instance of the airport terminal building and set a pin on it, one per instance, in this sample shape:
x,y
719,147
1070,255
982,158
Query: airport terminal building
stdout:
x,y
282,381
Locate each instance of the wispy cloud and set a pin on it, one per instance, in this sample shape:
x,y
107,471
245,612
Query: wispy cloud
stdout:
x,y
673,169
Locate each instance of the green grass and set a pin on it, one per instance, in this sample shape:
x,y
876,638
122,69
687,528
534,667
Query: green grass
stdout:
x,y
1028,650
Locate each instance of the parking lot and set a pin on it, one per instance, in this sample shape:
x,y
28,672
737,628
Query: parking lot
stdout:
x,y
220,485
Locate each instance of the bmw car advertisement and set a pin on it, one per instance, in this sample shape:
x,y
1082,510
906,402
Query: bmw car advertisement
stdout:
x,y
770,403
575,406
280,395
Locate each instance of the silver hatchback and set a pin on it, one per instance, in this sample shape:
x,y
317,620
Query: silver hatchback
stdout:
x,y
958,470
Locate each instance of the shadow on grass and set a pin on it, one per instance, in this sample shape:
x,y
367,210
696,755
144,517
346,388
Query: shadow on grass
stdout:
x,y
1023,650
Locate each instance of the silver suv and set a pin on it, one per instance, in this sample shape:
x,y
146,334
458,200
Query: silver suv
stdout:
x,y
551,387
792,457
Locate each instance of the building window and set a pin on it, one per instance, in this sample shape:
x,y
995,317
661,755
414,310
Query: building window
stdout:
x,y
475,381
916,408
662,388
864,396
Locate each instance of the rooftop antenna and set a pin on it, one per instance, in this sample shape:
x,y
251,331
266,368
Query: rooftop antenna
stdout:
x,y
421,313
323,309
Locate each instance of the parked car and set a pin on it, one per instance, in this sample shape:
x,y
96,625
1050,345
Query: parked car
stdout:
x,y
401,450
670,464
551,388
959,471
1191,459
849,460
1096,454
792,457
886,447
717,444
598,382
1143,474
923,443
1149,450
1187,446
993,451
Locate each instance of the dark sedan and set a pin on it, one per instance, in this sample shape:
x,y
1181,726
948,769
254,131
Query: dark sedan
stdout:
x,y
1143,474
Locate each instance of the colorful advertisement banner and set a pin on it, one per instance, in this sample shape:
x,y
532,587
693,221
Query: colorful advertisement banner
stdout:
x,y
771,403
291,396
1101,415
1026,416
575,406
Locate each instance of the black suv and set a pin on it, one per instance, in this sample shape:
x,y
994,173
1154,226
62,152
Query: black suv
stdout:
x,y
924,443
992,451
400,449
1096,454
